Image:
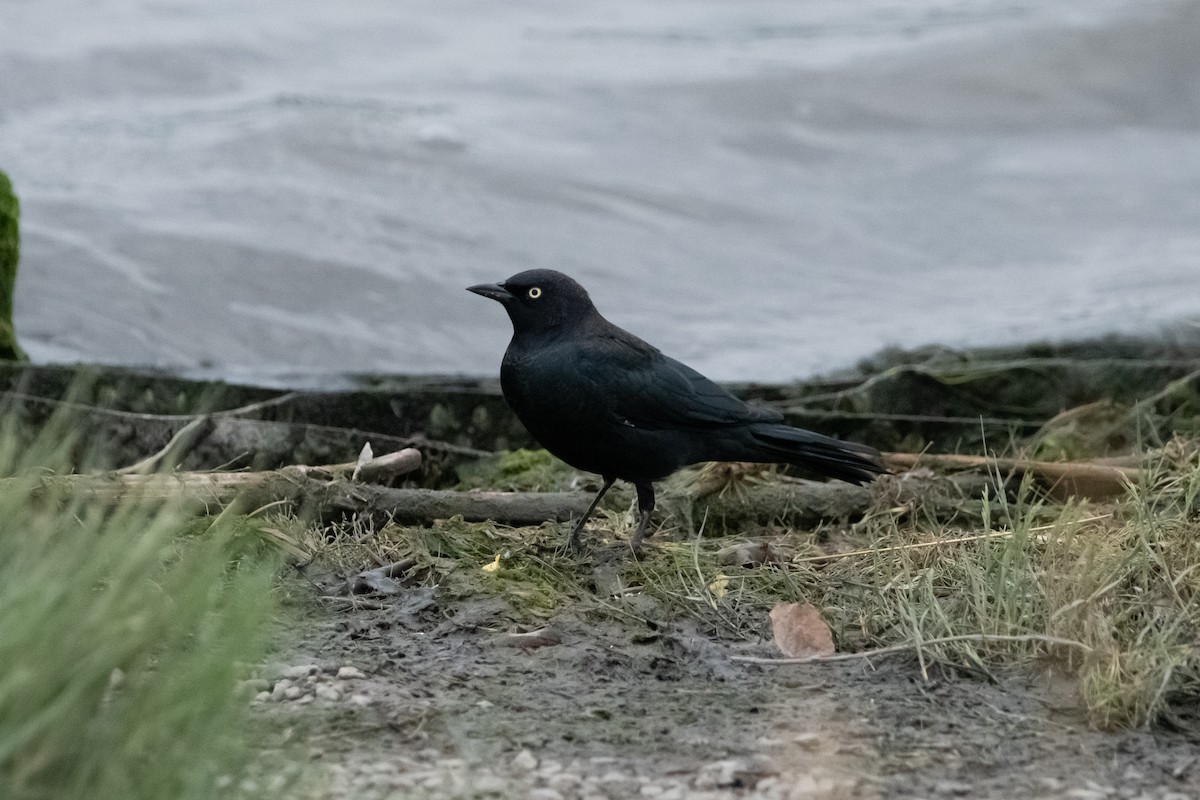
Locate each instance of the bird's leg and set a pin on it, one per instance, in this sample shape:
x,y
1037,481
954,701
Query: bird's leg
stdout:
x,y
573,541
645,494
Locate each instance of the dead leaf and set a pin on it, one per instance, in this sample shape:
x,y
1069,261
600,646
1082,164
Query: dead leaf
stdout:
x,y
800,632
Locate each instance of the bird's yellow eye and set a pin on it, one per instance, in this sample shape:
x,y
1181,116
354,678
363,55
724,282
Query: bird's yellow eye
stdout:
x,y
535,293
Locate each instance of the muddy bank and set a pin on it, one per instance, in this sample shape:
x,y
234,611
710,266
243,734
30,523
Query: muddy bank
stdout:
x,y
446,707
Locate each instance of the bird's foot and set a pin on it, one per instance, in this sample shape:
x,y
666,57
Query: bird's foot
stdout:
x,y
642,531
575,540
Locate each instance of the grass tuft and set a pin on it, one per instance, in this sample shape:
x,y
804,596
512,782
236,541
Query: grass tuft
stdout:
x,y
123,641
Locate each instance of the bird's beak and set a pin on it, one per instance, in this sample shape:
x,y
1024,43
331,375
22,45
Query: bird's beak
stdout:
x,y
494,291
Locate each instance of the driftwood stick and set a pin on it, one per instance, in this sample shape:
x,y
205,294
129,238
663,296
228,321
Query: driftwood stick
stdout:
x,y
323,490
1062,478
378,469
292,484
327,490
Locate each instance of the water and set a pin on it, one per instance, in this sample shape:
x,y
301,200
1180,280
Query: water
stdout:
x,y
284,192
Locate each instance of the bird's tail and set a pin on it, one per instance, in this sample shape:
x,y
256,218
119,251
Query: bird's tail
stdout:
x,y
847,461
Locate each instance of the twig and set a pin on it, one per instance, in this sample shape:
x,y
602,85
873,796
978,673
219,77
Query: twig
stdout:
x,y
181,441
77,406
355,602
900,648
1084,478
937,543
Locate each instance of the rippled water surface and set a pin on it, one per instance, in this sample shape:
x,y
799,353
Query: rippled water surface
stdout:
x,y
269,190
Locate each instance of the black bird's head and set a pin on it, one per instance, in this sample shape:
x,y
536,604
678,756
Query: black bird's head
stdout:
x,y
539,300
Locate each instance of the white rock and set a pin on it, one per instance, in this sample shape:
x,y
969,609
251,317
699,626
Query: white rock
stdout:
x,y
718,774
524,761
349,673
292,692
328,692
563,781
488,784
300,671
262,697
279,690
360,700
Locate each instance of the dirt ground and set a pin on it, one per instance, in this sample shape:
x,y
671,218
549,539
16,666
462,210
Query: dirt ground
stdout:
x,y
421,695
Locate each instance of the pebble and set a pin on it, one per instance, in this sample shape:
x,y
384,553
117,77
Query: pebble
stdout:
x,y
279,689
807,740
952,787
563,781
360,700
350,673
308,698
300,671
328,692
490,784
524,761
262,697
290,692
718,774
1081,793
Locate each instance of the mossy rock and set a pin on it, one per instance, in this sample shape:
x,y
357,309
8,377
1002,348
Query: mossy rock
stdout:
x,y
517,470
10,253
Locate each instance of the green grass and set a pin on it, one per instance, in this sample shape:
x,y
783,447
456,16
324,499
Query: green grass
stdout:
x,y
123,639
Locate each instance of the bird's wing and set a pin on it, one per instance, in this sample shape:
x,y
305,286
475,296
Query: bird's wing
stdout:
x,y
646,389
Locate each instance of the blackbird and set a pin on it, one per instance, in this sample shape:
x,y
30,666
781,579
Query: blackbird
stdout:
x,y
606,402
